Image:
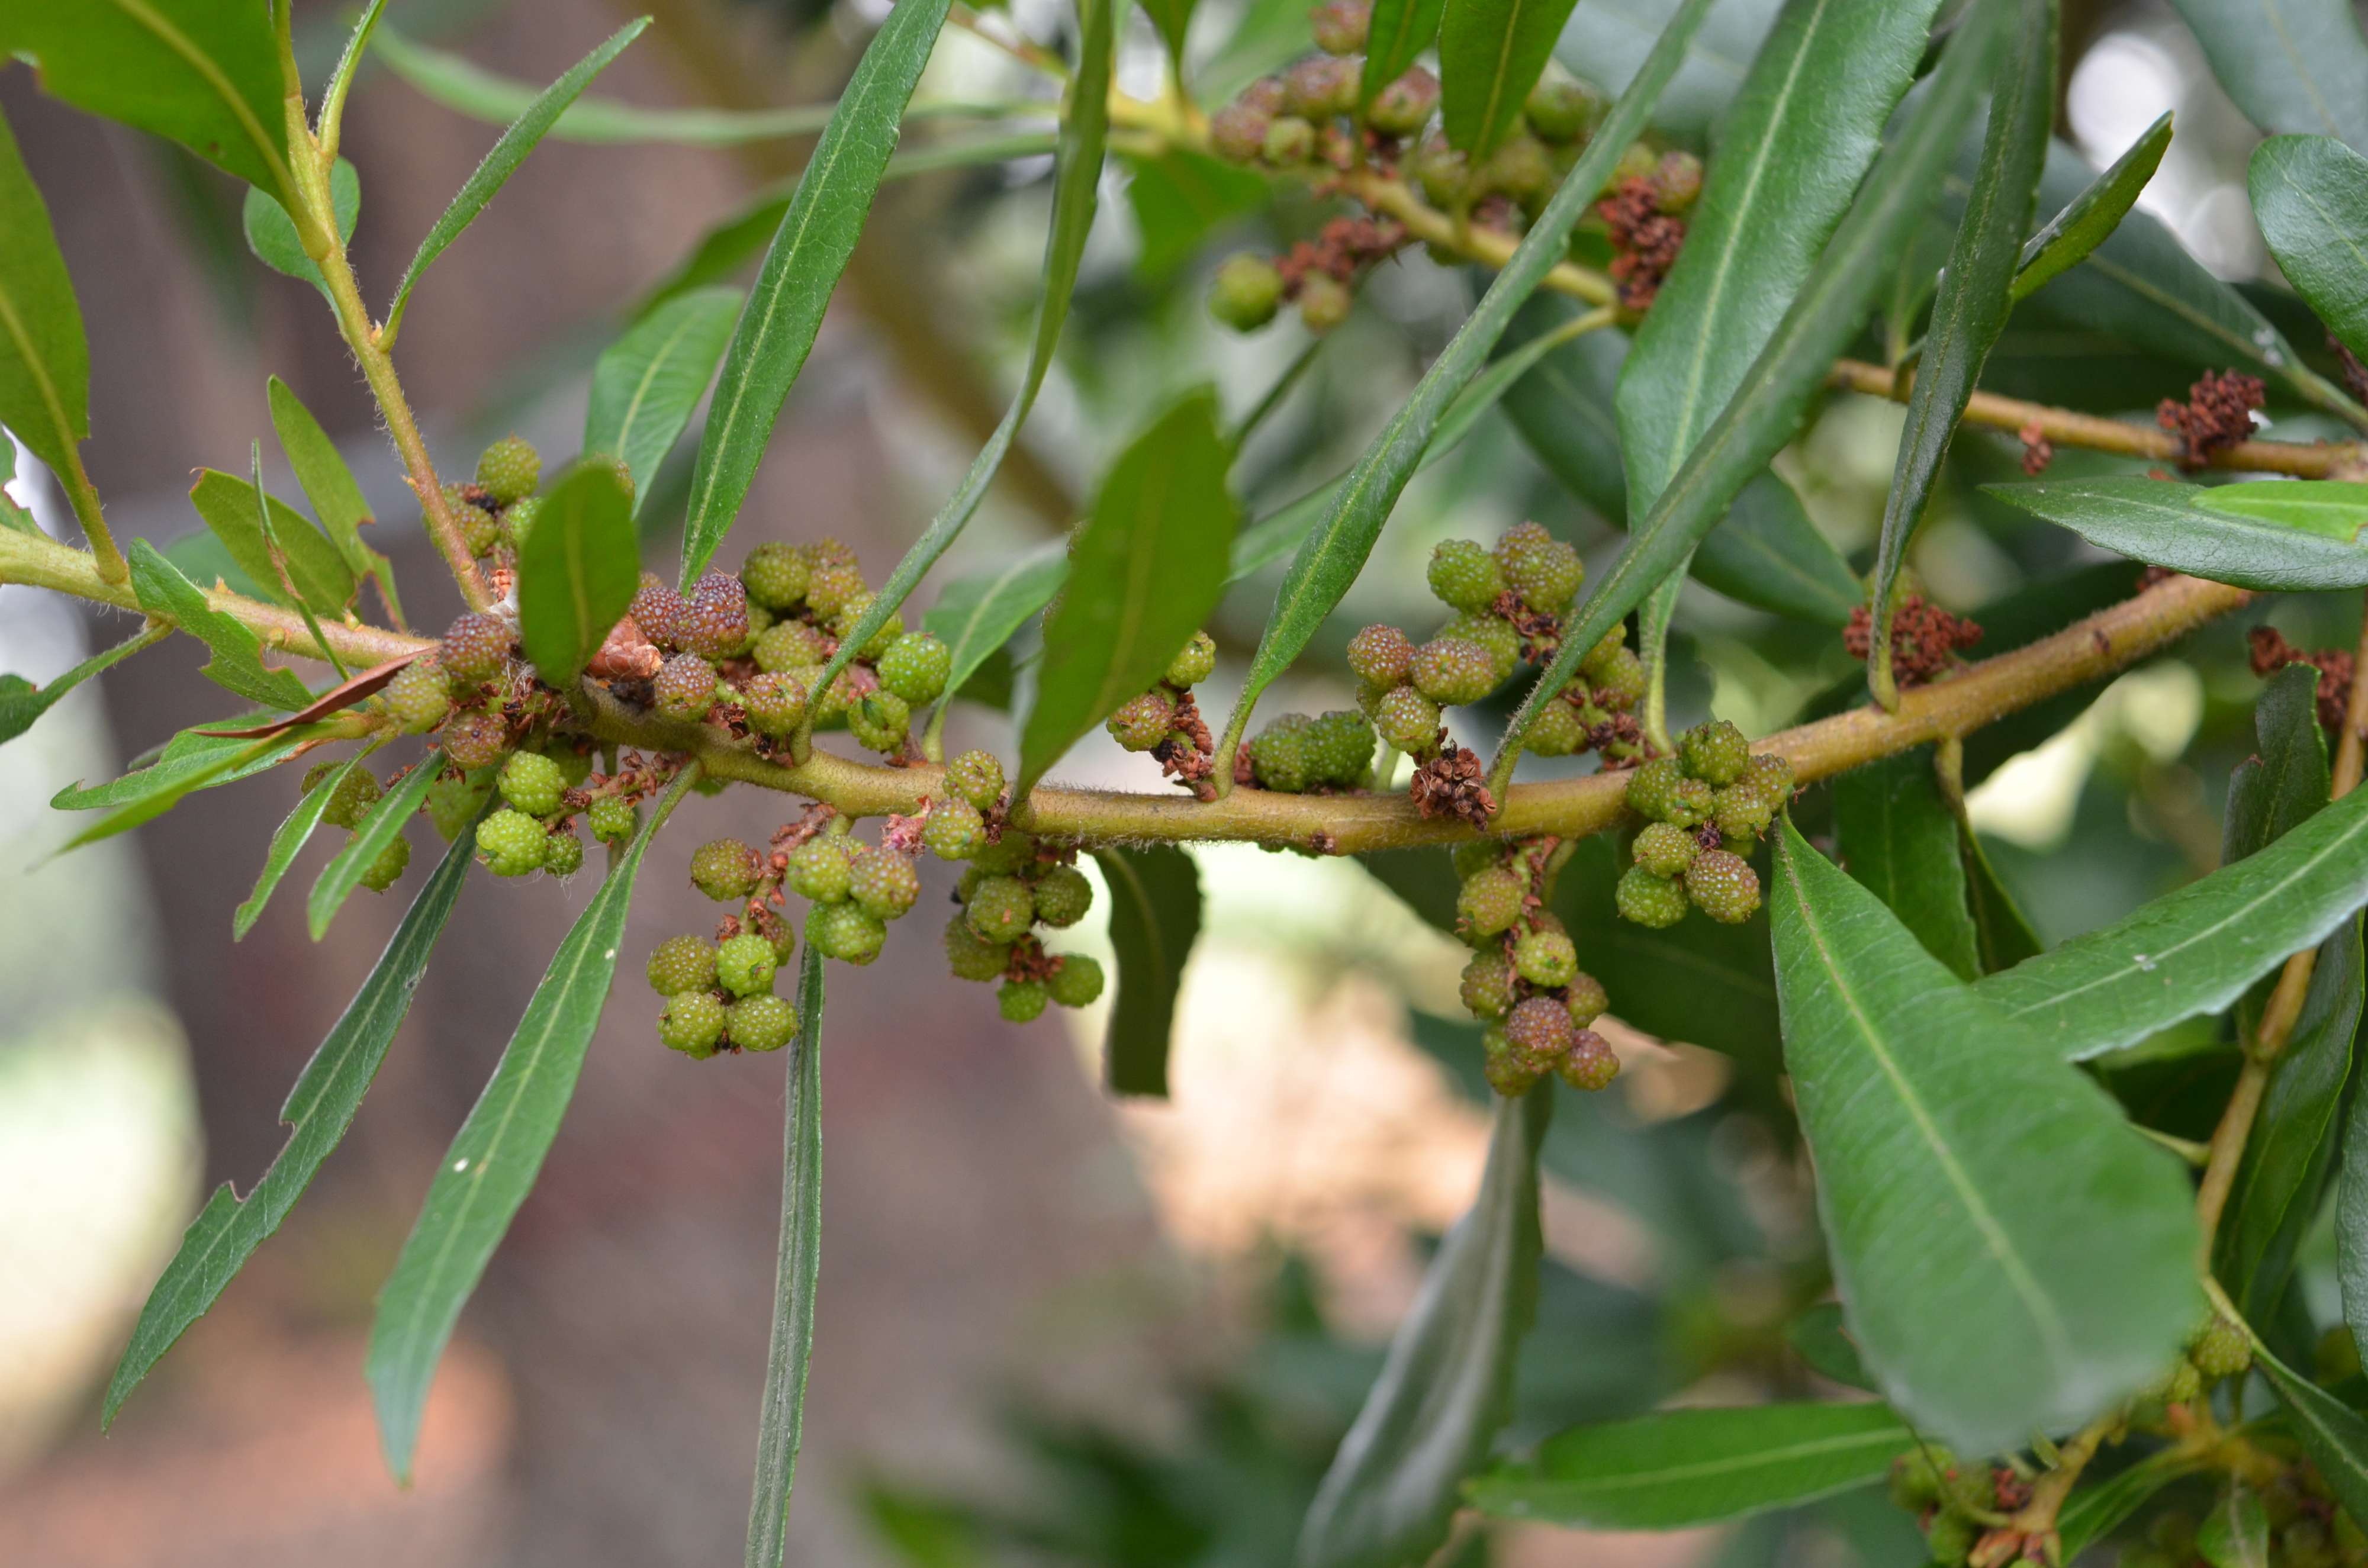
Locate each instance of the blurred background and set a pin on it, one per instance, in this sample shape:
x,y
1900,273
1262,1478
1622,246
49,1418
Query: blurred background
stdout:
x,y
1052,1327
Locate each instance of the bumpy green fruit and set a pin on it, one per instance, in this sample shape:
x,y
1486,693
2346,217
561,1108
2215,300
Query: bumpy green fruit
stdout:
x,y
790,645
1493,633
1607,648
1556,731
1289,141
1237,132
1319,86
717,626
882,882
1001,909
1677,180
1742,813
1451,671
382,872
1715,752
1401,107
611,820
1021,1001
681,963
831,588
1622,681
745,963
475,649
1949,1538
1406,719
1339,25
1077,983
1464,575
1247,289
1658,792
972,956
418,697
1487,988
1141,722
1648,900
563,853
761,1023
512,843
845,932
775,701
954,829
1193,663
821,869
685,687
532,782
1723,886
660,612
776,575
1541,1030
1323,302
977,777
1508,1070
880,719
915,667
1523,170
725,869
1279,756
1063,896
1340,748
1489,901
1561,109
1666,851
1441,170
1586,998
1015,852
2221,1351
1547,959
1381,656
692,1023
1544,571
476,739
454,800
355,794
884,637
508,470
1590,1064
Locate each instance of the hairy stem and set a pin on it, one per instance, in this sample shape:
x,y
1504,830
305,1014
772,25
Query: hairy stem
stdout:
x,y
83,496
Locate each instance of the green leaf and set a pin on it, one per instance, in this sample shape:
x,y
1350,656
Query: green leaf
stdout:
x,y
817,235
1174,20
1076,179
330,485
2003,936
1144,573
2351,1219
1767,406
22,703
1447,1384
1820,1339
2310,197
271,232
493,1161
1607,44
1898,839
44,359
1397,33
382,824
2287,542
1328,561
316,567
1677,1468
1970,309
189,762
237,662
2290,64
2082,223
2332,1433
288,841
2286,780
975,615
2094,1512
507,153
645,384
1491,54
1178,198
2236,1534
1267,36
577,571
1154,919
781,1425
203,74
2196,949
1946,1138
320,1108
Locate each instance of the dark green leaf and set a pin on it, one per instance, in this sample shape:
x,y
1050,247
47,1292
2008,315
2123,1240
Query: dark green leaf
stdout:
x,y
2082,223
22,703
1822,1341
1267,36
1395,36
382,824
2236,1534
1696,1467
190,762
271,232
330,485
577,571
316,567
2287,779
1329,559
1154,919
2310,197
204,73
977,615
238,661
2290,64
1946,1138
493,1161
2291,546
2094,1511
507,153
1447,1385
287,841
1898,839
1491,54
1970,309
321,1106
645,384
2351,1219
1607,42
1178,198
1173,19
2002,934
817,235
781,1427
44,359
2332,1433
1146,570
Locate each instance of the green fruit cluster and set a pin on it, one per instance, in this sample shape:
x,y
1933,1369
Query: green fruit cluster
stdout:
x,y
1143,723
718,995
534,829
1295,754
355,792
1704,809
1523,981
1012,886
496,509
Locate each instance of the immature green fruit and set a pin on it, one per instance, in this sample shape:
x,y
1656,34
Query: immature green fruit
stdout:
x,y
1507,1069
1451,671
880,719
1014,853
1488,987
685,687
1657,791
1586,998
454,798
820,870
532,782
774,700
1489,903
1339,25
476,739
563,853
977,777
1546,958
1771,777
418,697
1441,171
1289,141
1677,180
508,470
1521,169
1590,1064
830,705
1742,813
1340,748
1063,896
1558,731
2221,1351
660,612
1464,575
1621,682
1949,1538
1247,291
1493,633
1541,569
790,644
1323,302
381,873
775,574
1666,851
512,843
954,829
725,869
691,1023
717,626
845,932
1406,720
2182,1385
1540,1032
745,963
882,882
1279,756
1194,662
1715,752
1021,1001
1723,886
1319,86
1401,107
1648,900
761,1023
1916,1478
611,820
679,964
1381,656
831,588
915,667
476,649
1078,981
972,956
1561,109
1141,722
1237,132
1001,909
884,637
355,794
1599,658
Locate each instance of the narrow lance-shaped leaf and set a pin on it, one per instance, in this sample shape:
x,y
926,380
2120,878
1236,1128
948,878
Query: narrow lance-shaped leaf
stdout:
x,y
2290,64
2002,933
284,578
1898,840
810,249
383,825
1768,405
237,662
1606,44
316,570
1147,571
781,1425
1397,33
2310,197
1332,556
577,570
1970,310
22,703
288,841
2332,1433
1945,1137
321,1106
271,233
44,359
1173,19
329,123
2351,1219
645,384
2302,539
1077,177
188,756
1491,54
1447,1384
1696,1467
1154,918
2083,223
330,485
2093,1511
507,153
494,1160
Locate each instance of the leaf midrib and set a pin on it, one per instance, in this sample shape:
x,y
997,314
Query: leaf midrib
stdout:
x,y
1735,1464
172,38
